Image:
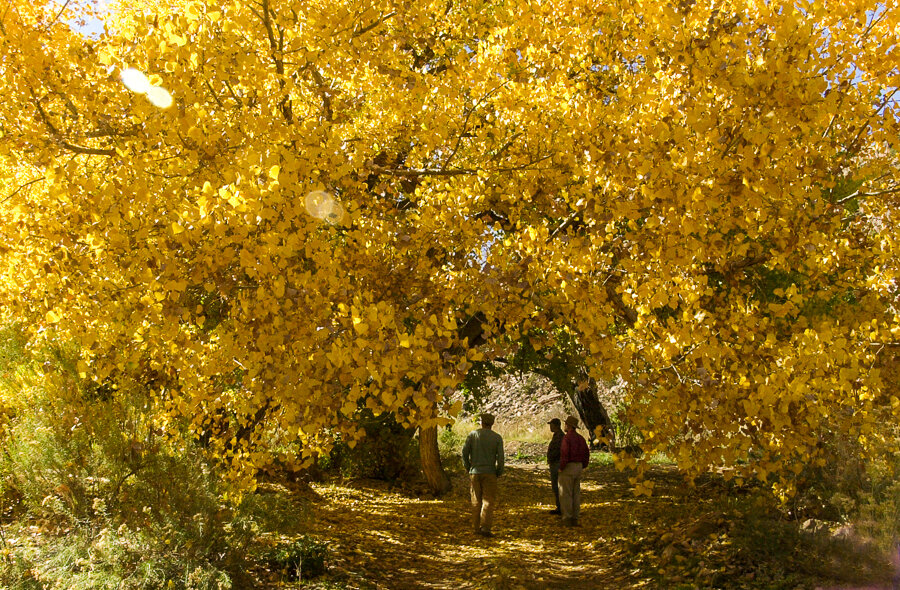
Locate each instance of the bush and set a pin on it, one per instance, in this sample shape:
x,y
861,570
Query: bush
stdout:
x,y
300,560
450,444
877,513
112,558
387,452
118,505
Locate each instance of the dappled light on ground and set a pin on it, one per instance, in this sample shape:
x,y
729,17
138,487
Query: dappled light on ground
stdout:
x,y
383,536
391,539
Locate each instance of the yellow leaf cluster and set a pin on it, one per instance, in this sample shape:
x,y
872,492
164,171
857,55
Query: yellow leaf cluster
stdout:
x,y
349,204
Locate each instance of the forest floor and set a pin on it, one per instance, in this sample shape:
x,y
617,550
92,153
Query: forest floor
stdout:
x,y
385,536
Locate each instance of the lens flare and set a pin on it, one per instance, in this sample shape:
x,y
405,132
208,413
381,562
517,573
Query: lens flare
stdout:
x,y
322,206
318,204
159,97
135,80
336,215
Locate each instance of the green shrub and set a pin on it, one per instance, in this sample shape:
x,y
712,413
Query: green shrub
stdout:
x,y
120,506
301,559
450,444
387,452
627,435
109,559
877,513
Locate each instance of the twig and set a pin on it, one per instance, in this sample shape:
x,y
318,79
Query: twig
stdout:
x,y
58,14
374,24
850,197
214,95
466,122
563,225
26,185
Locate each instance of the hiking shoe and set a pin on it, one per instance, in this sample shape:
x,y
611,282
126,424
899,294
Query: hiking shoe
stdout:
x,y
568,522
555,511
486,533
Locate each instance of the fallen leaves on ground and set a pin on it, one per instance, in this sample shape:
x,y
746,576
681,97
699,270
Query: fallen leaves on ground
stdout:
x,y
383,536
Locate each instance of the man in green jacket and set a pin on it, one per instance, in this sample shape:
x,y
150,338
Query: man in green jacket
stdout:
x,y
483,459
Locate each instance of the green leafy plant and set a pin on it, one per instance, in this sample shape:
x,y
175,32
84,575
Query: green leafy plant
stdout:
x,y
301,559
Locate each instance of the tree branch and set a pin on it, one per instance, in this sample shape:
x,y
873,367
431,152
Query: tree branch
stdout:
x,y
412,172
26,185
214,95
859,194
61,140
277,48
627,312
563,225
323,91
374,24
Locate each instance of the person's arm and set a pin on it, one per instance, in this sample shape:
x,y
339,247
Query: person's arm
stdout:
x,y
501,457
467,453
564,453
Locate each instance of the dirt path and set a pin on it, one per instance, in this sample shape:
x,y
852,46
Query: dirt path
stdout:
x,y
387,539
381,537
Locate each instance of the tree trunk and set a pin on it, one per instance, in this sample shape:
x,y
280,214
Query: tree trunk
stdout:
x,y
592,412
431,461
586,402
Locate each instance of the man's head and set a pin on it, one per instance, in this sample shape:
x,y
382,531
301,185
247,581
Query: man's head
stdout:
x,y
571,423
487,420
554,425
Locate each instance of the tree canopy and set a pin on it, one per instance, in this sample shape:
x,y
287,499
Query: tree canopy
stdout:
x,y
309,208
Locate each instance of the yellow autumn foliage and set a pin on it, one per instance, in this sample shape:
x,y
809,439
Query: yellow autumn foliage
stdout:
x,y
345,204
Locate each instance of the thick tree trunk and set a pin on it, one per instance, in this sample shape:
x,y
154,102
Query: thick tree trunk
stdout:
x,y
431,461
586,402
592,412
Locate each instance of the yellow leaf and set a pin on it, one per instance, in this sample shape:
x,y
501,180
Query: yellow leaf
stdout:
x,y
192,12
105,57
177,39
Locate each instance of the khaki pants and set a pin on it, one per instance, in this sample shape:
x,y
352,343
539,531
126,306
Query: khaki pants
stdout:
x,y
484,493
570,491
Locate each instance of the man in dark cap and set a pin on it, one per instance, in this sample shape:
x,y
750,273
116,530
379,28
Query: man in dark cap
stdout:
x,y
573,458
553,453
483,459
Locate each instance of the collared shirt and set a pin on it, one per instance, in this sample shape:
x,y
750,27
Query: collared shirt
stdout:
x,y
574,450
554,449
483,452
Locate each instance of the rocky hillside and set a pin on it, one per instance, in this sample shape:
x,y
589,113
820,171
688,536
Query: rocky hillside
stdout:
x,y
522,403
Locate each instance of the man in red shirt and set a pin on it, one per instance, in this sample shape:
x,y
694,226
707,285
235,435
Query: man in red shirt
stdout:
x,y
574,457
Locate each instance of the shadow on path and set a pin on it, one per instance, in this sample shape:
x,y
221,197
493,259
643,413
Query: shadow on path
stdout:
x,y
386,539
681,538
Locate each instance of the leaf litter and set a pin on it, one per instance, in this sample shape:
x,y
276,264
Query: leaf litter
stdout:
x,y
384,535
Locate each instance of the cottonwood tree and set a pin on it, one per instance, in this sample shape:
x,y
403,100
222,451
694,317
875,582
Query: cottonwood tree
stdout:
x,y
308,208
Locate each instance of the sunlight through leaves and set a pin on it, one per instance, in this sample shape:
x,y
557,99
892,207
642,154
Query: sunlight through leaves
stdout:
x,y
137,82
